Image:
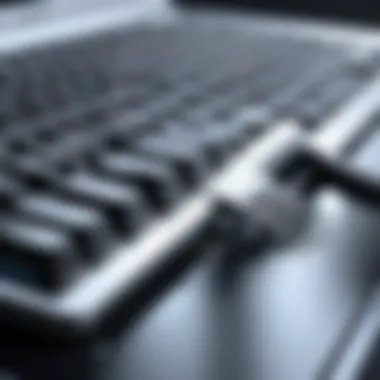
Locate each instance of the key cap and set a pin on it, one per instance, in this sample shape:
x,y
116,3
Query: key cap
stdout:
x,y
85,224
155,179
189,165
38,253
122,204
197,137
221,141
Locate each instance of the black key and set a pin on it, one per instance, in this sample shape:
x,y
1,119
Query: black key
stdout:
x,y
155,179
187,161
220,141
215,142
209,143
87,226
41,255
122,204
198,139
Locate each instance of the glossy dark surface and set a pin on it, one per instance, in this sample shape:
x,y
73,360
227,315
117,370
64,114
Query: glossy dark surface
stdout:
x,y
276,315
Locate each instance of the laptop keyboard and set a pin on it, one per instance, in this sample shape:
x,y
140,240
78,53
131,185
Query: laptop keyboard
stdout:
x,y
103,136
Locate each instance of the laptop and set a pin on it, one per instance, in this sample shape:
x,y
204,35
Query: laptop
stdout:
x,y
125,125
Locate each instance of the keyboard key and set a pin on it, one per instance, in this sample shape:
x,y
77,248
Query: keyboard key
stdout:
x,y
187,161
155,179
39,253
121,203
85,224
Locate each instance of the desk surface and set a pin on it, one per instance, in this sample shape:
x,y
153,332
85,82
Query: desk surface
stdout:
x,y
273,316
